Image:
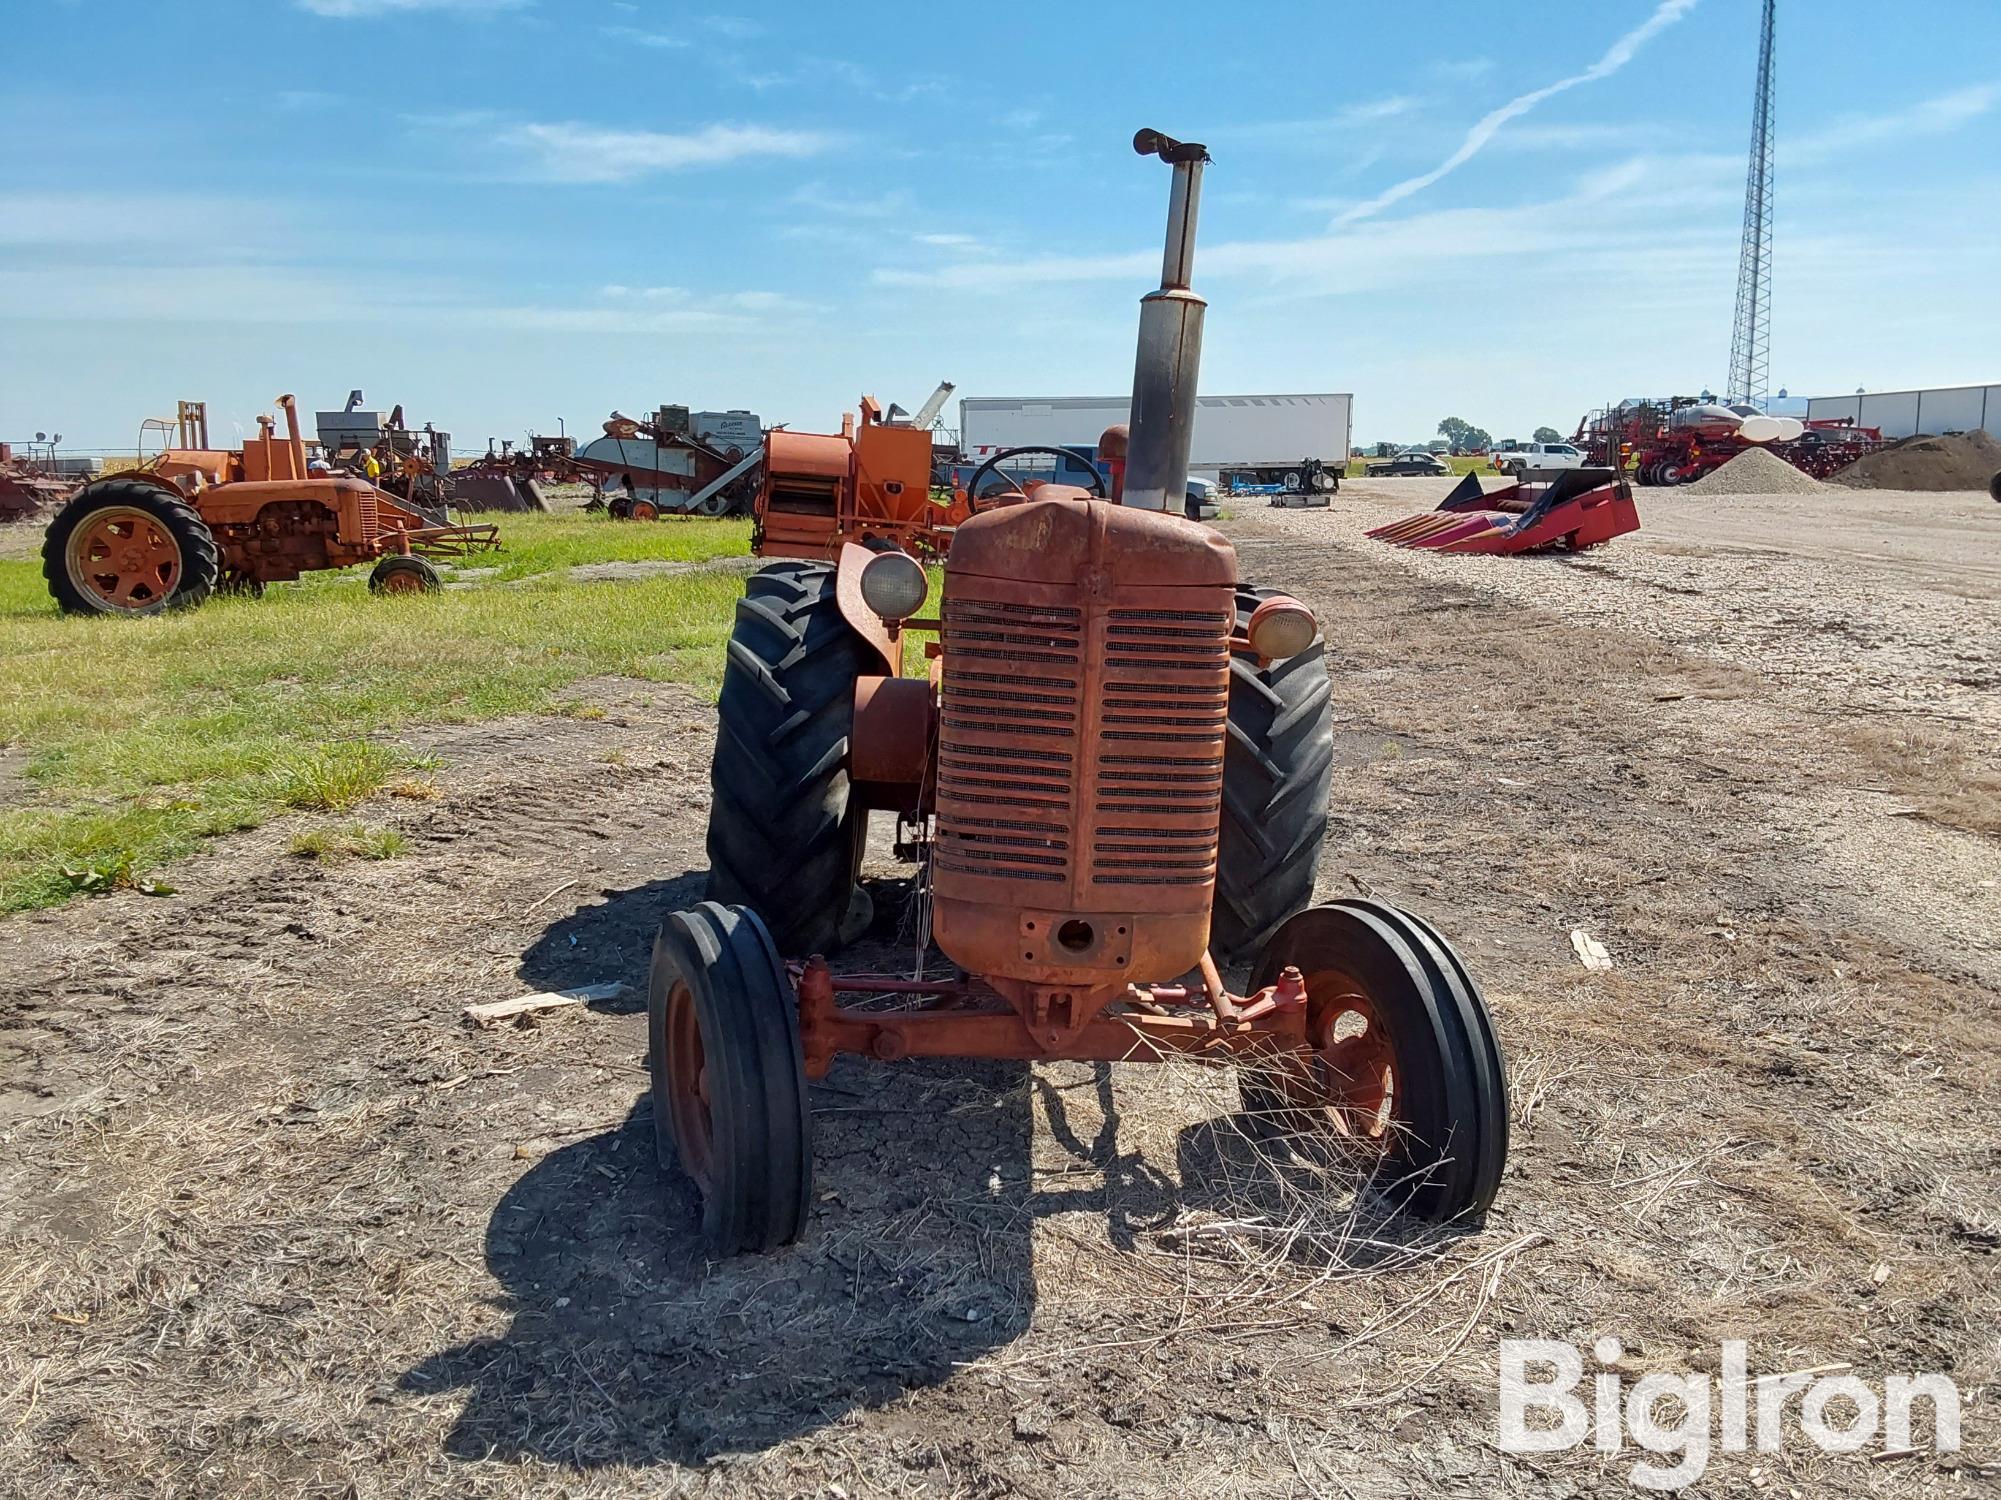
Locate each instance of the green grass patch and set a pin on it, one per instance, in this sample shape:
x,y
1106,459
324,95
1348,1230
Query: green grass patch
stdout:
x,y
531,544
141,738
349,841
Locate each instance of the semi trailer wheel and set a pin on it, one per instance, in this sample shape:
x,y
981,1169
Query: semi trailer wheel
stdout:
x,y
405,575
127,547
1277,765
783,838
728,1079
1405,1074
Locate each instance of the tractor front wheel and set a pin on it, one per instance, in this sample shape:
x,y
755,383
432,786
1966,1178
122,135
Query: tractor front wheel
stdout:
x,y
728,1078
784,838
1404,1074
1278,763
405,575
129,547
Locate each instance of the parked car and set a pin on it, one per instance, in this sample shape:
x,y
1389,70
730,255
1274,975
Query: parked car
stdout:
x,y
1411,461
1519,458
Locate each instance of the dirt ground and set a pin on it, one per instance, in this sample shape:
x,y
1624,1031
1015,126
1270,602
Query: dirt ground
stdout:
x,y
277,1222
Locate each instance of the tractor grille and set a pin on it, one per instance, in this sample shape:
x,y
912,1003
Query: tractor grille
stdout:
x,y
1159,782
1058,769
1008,739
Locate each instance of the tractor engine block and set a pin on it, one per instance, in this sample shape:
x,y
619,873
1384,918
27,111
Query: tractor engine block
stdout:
x,y
1085,704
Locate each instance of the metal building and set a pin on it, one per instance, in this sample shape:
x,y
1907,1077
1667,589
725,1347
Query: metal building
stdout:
x,y
1935,410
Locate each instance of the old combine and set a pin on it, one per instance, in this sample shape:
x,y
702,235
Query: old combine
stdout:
x,y
1571,509
1114,781
194,519
28,488
870,483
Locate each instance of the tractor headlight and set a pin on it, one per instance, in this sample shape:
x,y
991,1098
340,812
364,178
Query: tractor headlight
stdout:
x,y
894,585
1279,627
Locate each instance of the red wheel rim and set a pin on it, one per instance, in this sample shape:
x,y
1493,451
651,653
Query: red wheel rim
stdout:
x,y
125,558
688,1086
645,510
401,581
1354,1061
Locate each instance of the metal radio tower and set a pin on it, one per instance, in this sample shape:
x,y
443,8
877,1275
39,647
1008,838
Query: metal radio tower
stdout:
x,y
1751,334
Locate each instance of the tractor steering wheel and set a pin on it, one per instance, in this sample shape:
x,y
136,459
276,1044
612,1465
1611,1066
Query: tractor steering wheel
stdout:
x,y
973,492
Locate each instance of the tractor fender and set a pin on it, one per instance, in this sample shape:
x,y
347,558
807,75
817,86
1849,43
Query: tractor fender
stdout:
x,y
864,621
890,745
137,476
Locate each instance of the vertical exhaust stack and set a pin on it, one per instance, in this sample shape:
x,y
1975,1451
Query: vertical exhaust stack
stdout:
x,y
1170,342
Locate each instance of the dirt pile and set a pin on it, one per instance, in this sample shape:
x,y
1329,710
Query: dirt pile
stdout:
x,y
1964,462
1755,471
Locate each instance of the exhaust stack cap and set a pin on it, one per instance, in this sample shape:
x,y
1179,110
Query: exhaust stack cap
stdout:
x,y
1167,148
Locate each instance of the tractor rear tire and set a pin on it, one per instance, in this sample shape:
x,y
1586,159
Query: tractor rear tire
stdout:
x,y
784,838
405,575
1407,1064
728,1078
1994,485
1278,763
179,568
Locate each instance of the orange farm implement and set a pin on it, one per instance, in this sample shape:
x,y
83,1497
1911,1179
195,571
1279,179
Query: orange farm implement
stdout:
x,y
1575,509
869,483
195,519
1114,779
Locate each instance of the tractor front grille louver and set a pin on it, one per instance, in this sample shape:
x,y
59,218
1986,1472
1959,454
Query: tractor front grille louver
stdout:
x,y
1008,739
1064,763
1165,708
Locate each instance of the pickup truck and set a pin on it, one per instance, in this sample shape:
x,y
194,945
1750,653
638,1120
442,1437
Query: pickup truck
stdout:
x,y
1519,458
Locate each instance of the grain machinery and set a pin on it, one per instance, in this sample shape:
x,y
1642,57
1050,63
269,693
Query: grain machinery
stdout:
x,y
870,483
1114,780
1677,440
1570,510
193,519
28,488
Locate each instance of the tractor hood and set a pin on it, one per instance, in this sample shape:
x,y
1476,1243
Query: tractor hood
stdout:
x,y
1066,541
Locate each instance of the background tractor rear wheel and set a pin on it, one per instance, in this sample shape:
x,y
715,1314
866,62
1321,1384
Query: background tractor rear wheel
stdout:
x,y
1277,765
405,575
783,837
127,547
728,1079
1994,485
1405,1065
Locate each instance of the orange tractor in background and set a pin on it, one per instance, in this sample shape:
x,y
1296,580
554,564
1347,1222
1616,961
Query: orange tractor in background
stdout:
x,y
1114,781
193,519
870,483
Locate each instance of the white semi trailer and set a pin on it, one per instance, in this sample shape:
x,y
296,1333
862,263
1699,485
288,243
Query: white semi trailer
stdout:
x,y
1281,442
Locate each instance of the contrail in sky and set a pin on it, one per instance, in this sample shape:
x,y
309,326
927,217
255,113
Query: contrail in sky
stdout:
x,y
1616,57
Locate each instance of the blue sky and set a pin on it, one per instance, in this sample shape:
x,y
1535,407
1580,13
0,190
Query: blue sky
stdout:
x,y
499,212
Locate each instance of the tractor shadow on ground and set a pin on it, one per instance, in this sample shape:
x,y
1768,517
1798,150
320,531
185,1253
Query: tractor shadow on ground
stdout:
x,y
627,1345
611,940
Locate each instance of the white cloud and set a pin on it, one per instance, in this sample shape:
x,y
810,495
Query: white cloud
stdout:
x,y
1484,130
1939,116
896,203
575,152
736,28
348,10
639,38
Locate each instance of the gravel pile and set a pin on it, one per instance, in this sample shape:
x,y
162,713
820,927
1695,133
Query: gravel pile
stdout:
x,y
1755,471
1965,462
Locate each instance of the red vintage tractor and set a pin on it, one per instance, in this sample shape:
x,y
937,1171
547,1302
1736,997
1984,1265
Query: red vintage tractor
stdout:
x,y
194,519
1114,780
